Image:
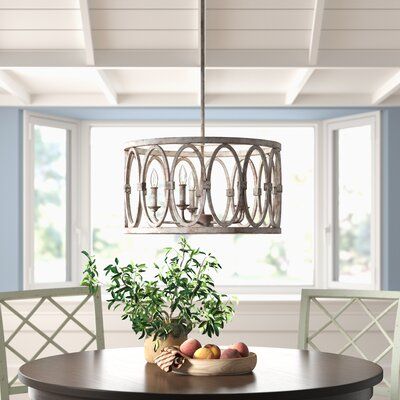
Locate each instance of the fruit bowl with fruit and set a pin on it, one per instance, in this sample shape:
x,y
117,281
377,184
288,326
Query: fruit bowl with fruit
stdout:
x,y
212,360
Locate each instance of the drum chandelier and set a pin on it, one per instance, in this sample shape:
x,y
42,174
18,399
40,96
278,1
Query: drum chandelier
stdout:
x,y
203,184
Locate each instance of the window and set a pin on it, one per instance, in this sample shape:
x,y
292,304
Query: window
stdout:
x,y
275,260
330,220
49,210
353,217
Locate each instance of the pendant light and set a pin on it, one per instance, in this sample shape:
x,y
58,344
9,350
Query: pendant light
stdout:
x,y
203,184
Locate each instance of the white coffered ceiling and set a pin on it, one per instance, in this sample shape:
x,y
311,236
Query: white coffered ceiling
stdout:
x,y
145,52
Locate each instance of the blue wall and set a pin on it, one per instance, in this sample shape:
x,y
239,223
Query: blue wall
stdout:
x,y
391,198
11,170
10,199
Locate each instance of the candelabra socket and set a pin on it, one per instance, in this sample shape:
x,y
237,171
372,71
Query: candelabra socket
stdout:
x,y
154,208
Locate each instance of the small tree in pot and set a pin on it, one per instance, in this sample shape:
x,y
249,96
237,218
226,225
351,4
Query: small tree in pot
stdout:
x,y
179,297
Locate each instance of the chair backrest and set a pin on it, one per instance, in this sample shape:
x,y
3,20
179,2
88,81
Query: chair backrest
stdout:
x,y
352,298
10,385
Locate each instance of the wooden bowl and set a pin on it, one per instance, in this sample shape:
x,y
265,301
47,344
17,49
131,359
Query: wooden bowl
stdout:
x,y
224,366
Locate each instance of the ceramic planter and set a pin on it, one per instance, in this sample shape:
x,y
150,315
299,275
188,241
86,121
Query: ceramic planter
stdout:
x,y
150,354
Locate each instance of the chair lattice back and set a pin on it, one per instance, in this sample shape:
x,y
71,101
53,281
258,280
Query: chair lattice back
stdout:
x,y
360,298
11,385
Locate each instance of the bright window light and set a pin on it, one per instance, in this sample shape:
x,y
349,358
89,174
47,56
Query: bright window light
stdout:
x,y
247,260
50,204
354,205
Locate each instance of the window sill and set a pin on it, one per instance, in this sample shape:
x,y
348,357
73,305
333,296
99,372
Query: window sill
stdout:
x,y
268,298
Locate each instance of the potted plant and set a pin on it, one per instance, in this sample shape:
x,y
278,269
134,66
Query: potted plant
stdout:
x,y
179,296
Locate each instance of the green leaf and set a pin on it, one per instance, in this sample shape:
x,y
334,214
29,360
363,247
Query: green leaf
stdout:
x,y
179,296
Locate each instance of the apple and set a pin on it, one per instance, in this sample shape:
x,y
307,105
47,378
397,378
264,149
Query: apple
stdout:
x,y
230,353
189,347
203,354
241,348
215,350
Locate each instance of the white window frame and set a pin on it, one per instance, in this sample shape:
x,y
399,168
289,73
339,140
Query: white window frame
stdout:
x,y
80,186
74,213
330,193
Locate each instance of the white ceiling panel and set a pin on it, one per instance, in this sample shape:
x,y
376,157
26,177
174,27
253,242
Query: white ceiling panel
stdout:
x,y
347,81
40,40
258,39
155,80
362,4
360,39
144,19
259,19
396,94
40,19
37,4
142,4
261,4
249,81
362,19
144,40
58,80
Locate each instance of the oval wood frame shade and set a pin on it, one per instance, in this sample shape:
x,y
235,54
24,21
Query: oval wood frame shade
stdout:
x,y
122,374
202,155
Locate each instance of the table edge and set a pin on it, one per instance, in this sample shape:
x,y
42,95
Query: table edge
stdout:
x,y
100,394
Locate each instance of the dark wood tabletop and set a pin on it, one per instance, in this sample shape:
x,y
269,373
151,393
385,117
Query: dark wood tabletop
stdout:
x,y
123,374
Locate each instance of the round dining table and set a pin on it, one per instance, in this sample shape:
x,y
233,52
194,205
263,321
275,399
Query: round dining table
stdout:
x,y
280,374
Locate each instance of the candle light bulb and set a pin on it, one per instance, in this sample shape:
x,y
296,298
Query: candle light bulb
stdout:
x,y
154,179
192,186
182,175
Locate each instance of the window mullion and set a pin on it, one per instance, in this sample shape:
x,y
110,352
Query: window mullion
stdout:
x,y
334,182
81,229
319,201
328,208
73,234
69,209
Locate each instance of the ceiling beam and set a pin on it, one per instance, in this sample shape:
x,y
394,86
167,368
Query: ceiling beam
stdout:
x,y
104,59
391,86
316,31
87,31
13,87
106,86
299,59
114,59
302,77
239,100
99,100
102,78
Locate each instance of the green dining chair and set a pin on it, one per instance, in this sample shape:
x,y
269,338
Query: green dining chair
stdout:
x,y
9,307
362,298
